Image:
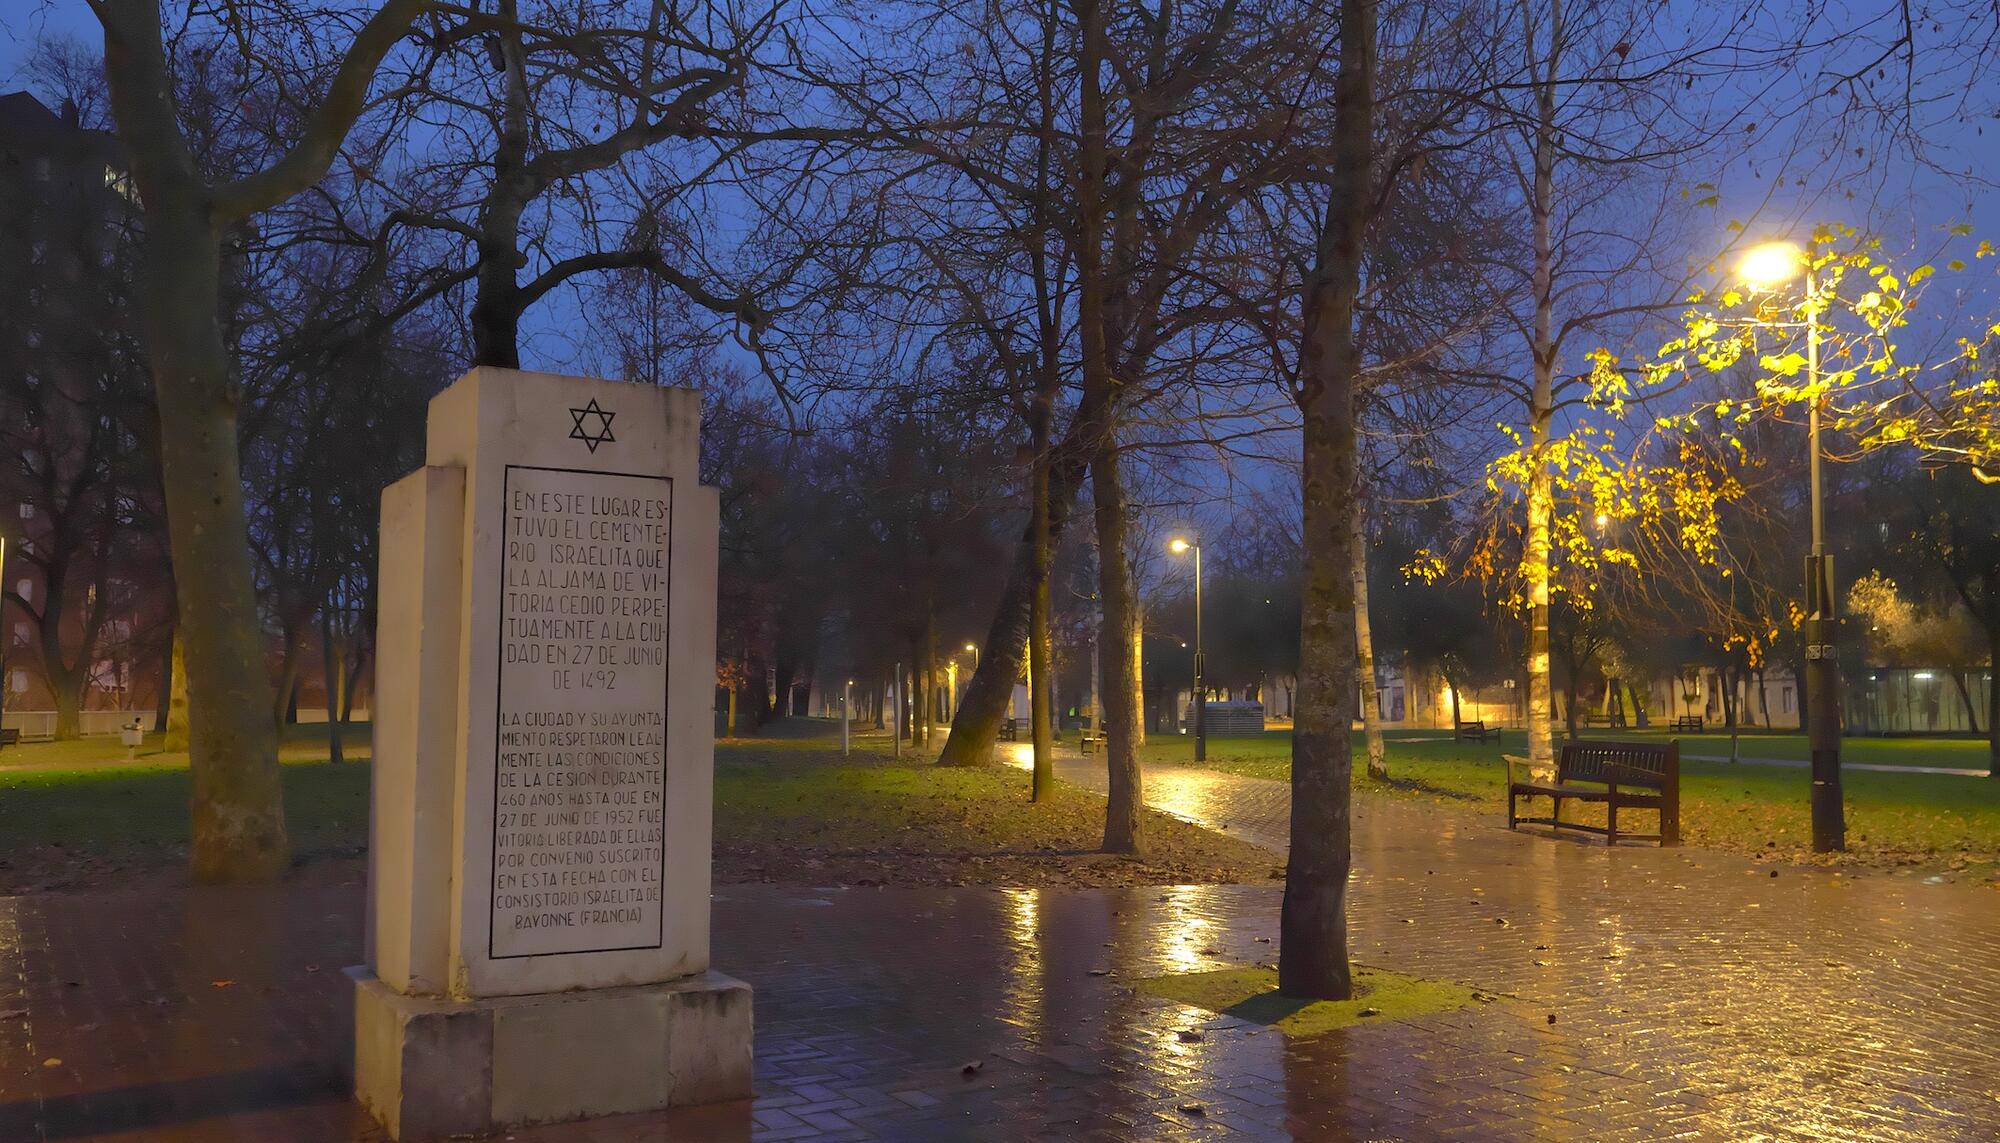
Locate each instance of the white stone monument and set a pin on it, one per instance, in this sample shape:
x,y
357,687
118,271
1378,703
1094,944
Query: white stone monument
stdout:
x,y
539,842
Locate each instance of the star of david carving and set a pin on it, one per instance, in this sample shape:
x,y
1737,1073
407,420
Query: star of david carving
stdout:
x,y
599,422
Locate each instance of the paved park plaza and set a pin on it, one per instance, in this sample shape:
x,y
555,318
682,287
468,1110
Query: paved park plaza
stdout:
x,y
1636,993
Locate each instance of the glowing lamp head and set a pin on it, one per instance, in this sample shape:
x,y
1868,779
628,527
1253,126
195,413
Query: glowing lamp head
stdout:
x,y
1178,545
972,646
1771,264
1603,520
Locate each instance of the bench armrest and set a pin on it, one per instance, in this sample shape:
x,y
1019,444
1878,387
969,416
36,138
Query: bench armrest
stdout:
x,y
1513,761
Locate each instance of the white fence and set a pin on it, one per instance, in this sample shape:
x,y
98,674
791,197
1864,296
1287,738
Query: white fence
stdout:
x,y
42,723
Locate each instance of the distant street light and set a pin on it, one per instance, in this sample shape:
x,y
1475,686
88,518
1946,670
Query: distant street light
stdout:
x,y
1772,266
1177,545
974,648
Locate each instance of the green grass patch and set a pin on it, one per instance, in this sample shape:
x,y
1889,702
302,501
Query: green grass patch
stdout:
x,y
113,810
1892,817
789,809
300,743
787,813
1252,994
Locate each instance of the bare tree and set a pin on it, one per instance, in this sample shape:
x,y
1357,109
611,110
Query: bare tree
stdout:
x,y
188,213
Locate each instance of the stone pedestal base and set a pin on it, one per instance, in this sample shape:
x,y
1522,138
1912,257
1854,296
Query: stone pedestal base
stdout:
x,y
429,1068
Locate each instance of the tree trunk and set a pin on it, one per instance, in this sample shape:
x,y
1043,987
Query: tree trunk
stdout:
x,y
1457,716
330,668
1138,671
496,305
930,673
1124,826
1965,697
1724,676
1569,697
1364,652
1097,414
1541,495
1993,694
163,696
1312,954
781,692
284,706
976,724
1040,661
357,662
176,737
68,688
238,805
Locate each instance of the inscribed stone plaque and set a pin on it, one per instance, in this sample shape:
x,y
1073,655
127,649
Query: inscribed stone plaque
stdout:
x,y
581,720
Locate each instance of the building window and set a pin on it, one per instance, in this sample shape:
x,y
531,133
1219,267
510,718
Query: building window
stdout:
x,y
23,635
26,590
19,681
1787,699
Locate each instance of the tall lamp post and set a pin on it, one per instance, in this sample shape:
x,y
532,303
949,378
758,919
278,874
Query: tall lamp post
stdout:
x,y
1771,265
1177,545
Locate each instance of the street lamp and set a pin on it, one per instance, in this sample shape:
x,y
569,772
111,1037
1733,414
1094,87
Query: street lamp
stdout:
x,y
974,648
1770,266
1177,545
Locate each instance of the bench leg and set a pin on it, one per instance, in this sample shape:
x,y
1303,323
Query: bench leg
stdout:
x,y
1611,823
1511,797
1557,813
1670,823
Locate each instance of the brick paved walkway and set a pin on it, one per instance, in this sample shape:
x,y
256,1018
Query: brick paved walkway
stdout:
x,y
1695,996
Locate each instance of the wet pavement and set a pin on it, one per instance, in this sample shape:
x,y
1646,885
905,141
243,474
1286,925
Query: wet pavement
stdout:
x,y
1693,995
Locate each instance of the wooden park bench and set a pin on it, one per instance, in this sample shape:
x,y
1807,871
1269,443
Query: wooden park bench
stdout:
x,y
1474,732
1090,740
1008,731
1689,722
10,736
1622,775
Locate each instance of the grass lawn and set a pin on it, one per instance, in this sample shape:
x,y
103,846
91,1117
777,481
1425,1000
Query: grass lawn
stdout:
x,y
798,813
1955,753
1891,818
788,809
303,743
1252,994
